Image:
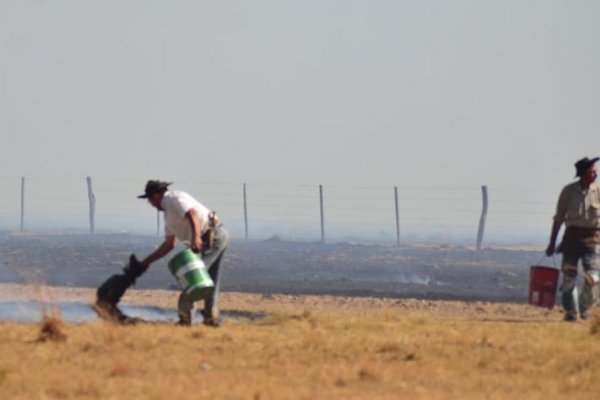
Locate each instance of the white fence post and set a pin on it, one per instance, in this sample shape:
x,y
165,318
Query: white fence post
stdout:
x,y
397,216
245,213
22,203
92,200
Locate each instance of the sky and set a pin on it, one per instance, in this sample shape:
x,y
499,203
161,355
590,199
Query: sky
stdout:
x,y
411,93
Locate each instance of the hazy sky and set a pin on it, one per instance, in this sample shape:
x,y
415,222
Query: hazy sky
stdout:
x,y
424,92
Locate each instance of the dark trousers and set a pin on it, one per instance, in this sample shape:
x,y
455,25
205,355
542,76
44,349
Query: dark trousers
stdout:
x,y
212,257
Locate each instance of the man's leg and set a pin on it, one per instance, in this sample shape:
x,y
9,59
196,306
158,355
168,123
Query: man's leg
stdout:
x,y
212,259
185,309
569,286
589,293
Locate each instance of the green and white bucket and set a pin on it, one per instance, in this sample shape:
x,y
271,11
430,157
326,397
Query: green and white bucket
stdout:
x,y
191,274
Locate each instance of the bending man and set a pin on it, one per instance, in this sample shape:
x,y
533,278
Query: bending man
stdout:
x,y
189,221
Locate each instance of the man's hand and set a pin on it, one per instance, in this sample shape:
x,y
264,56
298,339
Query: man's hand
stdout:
x,y
197,244
551,249
195,223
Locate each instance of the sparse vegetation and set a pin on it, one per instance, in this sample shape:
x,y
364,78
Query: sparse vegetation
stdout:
x,y
302,353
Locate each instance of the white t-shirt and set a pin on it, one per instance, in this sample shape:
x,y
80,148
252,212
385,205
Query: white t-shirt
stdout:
x,y
175,205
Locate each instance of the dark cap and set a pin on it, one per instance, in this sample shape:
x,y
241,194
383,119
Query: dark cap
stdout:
x,y
584,164
154,187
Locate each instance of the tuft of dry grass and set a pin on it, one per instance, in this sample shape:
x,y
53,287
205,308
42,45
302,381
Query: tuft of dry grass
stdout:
x,y
52,329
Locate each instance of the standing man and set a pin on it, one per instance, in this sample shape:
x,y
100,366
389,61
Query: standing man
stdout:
x,y
192,223
579,209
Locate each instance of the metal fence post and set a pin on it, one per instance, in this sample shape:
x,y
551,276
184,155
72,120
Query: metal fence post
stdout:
x,y
92,200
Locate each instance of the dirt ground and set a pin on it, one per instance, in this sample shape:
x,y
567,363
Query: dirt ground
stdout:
x,y
444,282
235,302
320,321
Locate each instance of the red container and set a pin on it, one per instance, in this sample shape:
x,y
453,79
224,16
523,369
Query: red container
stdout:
x,y
542,286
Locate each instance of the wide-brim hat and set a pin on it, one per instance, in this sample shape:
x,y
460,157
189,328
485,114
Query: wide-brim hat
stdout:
x,y
584,164
154,186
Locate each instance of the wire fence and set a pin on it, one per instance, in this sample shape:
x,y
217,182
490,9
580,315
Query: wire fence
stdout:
x,y
441,215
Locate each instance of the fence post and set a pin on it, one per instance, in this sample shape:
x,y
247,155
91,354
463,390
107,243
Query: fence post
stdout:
x,y
322,214
245,213
397,216
92,200
22,203
484,210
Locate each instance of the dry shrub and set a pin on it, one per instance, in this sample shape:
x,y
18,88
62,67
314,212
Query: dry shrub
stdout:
x,y
52,329
52,326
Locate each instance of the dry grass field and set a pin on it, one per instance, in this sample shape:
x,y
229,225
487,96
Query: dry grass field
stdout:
x,y
306,347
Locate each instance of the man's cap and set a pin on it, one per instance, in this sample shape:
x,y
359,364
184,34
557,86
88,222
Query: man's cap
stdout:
x,y
584,164
154,187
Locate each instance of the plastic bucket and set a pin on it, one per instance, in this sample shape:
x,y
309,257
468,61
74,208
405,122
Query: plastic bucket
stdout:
x,y
542,286
191,274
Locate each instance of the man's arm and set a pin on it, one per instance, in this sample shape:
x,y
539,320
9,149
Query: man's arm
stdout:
x,y
161,251
553,235
196,224
559,218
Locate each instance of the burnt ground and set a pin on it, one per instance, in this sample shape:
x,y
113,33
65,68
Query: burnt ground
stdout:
x,y
280,267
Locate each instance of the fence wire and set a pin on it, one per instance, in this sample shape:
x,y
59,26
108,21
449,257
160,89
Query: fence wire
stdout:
x,y
293,212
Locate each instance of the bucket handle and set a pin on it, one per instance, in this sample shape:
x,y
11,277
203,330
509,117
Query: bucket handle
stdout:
x,y
545,256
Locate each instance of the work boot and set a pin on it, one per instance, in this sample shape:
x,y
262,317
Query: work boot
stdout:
x,y
211,318
184,320
570,317
584,314
110,312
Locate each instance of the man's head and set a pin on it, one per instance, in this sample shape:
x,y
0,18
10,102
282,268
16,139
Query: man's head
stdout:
x,y
586,170
154,192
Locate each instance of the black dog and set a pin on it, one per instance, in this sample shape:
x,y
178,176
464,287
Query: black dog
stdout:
x,y
110,292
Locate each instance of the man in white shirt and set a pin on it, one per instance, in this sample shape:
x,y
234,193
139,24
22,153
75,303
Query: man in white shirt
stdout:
x,y
191,222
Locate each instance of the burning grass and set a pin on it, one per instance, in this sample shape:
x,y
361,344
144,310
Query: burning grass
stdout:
x,y
305,353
